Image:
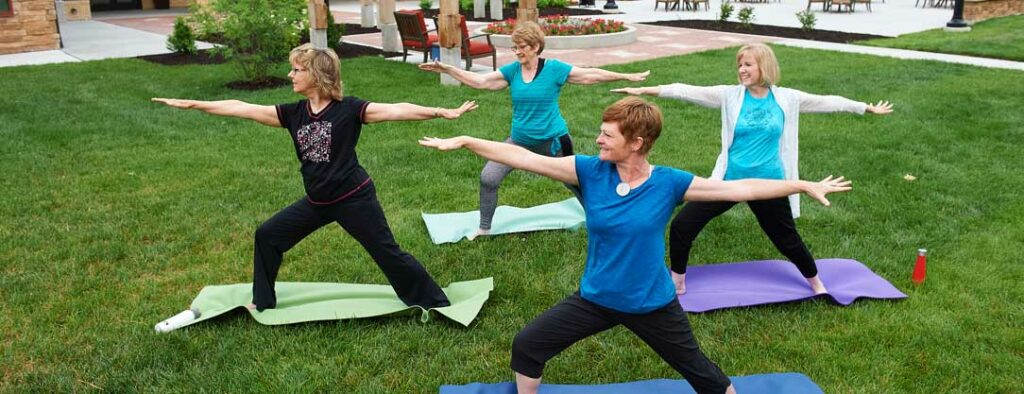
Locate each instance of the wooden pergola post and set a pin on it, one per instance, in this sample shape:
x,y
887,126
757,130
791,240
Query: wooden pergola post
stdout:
x,y
450,35
527,11
388,26
318,23
367,18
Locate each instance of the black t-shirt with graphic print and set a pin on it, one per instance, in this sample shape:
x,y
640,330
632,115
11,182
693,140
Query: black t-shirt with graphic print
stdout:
x,y
325,144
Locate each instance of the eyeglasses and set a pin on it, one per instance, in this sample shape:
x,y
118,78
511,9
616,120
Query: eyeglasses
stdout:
x,y
519,48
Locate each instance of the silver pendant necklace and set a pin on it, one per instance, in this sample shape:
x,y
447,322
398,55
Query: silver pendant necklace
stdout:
x,y
622,189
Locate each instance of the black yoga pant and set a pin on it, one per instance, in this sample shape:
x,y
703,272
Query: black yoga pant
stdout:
x,y
775,217
666,330
362,217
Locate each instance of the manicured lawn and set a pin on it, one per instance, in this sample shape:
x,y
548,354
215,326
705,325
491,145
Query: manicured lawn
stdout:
x,y
117,211
1000,38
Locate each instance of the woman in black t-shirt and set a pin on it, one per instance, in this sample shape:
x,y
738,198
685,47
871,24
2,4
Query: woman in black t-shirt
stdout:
x,y
325,129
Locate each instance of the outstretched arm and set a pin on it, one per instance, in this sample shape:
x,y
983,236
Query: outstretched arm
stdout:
x,y
590,76
644,91
815,103
265,114
377,112
702,189
562,169
490,81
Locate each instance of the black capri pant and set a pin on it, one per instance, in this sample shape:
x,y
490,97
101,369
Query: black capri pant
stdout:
x,y
775,217
666,330
362,217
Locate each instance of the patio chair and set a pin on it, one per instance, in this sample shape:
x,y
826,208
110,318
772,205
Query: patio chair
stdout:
x,y
824,4
674,3
695,3
866,3
840,3
473,49
413,31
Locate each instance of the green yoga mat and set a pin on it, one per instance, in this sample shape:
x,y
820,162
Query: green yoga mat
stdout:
x,y
453,227
302,302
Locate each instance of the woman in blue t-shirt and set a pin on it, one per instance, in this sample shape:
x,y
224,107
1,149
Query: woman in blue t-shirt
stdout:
x,y
759,141
325,128
535,84
625,281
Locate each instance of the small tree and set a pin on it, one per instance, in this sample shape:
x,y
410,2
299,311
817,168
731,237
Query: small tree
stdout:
x,y
257,34
334,31
182,41
426,5
807,20
746,16
725,12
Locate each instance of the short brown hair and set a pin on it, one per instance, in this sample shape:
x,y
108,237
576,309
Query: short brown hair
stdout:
x,y
323,66
636,118
766,62
529,33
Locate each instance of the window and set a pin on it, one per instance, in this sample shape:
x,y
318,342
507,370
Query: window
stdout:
x,y
5,8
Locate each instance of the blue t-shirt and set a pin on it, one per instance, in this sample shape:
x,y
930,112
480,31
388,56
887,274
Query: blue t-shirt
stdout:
x,y
625,268
536,117
754,152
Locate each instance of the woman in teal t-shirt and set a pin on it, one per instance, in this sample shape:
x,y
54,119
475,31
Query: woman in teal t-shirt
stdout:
x,y
535,84
625,281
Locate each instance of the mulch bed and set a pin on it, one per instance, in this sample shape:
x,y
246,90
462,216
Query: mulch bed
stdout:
x,y
765,30
352,29
511,13
177,59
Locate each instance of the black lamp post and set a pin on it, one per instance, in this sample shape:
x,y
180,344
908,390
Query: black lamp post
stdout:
x,y
610,5
958,16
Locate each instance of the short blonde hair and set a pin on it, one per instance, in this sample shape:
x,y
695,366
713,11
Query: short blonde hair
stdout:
x,y
766,62
529,33
323,65
636,118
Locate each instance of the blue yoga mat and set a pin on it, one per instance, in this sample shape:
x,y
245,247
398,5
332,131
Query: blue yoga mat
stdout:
x,y
453,227
774,383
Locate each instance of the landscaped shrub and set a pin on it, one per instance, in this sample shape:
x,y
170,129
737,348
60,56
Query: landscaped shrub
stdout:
x,y
257,34
552,3
466,5
562,25
746,16
426,5
807,20
725,12
182,40
334,31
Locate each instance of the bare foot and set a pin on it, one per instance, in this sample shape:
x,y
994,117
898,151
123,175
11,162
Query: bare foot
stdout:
x,y
478,233
680,281
816,285
251,307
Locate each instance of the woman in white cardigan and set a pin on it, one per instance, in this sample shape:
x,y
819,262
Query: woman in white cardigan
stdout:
x,y
759,140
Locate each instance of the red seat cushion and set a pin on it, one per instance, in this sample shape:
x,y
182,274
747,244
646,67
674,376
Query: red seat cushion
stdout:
x,y
479,47
431,40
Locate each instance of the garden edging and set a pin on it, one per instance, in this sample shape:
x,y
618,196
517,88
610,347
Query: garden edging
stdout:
x,y
572,42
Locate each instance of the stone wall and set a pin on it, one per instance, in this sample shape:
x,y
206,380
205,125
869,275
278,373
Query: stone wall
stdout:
x,y
32,28
976,10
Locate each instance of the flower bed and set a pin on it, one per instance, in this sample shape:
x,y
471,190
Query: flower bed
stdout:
x,y
562,25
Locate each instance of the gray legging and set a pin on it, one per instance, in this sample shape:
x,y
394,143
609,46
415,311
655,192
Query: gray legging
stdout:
x,y
493,173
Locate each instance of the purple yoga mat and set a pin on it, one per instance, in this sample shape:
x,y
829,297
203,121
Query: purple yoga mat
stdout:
x,y
719,286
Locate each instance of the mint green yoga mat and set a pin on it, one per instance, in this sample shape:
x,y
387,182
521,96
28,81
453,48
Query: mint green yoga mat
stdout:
x,y
302,302
453,227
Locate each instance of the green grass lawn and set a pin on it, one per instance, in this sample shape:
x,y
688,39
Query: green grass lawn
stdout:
x,y
117,211
1000,38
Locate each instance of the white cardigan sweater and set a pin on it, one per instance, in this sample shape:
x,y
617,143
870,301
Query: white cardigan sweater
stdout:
x,y
730,99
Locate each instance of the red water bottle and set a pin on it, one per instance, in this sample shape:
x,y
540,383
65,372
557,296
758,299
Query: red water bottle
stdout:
x,y
920,267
